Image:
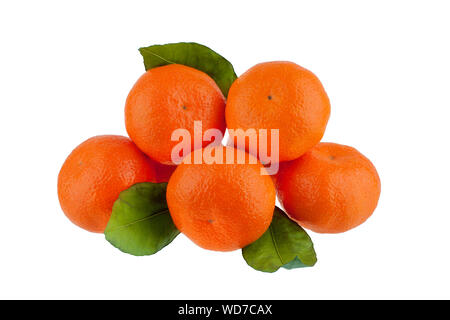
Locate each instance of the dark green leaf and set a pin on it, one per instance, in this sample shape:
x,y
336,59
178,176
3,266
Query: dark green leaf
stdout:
x,y
193,55
140,222
284,244
294,264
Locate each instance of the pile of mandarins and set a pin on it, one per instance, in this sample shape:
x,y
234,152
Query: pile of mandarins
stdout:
x,y
131,189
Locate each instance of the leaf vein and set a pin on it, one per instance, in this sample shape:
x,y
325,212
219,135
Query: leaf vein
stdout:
x,y
158,56
139,220
275,245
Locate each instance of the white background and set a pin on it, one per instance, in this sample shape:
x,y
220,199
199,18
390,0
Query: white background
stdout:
x,y
66,69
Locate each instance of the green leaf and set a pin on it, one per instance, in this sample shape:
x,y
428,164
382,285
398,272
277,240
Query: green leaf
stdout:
x,y
193,55
284,244
294,264
140,222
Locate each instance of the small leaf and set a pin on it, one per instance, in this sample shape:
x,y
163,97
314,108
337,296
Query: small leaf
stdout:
x,y
193,55
284,244
294,264
140,222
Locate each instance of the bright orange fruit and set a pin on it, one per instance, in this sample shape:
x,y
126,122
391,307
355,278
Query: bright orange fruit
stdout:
x,y
95,173
221,207
332,188
280,95
168,98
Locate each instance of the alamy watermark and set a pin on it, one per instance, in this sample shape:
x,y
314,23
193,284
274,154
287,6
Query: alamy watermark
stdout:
x,y
260,143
